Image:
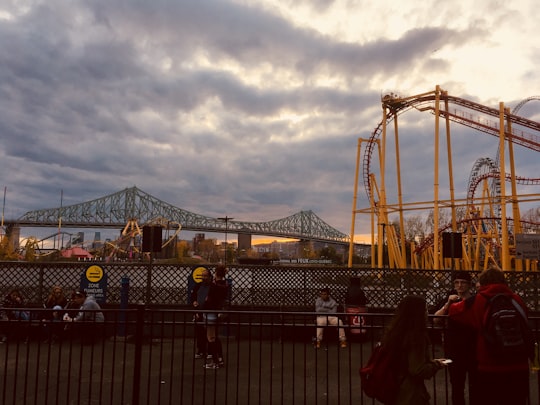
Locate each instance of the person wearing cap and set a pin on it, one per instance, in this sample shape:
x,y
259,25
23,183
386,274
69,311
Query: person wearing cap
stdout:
x,y
459,341
90,318
89,308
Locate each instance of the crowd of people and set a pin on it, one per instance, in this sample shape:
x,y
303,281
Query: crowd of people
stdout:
x,y
79,316
481,373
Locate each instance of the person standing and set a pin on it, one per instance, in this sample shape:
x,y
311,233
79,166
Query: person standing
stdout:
x,y
216,300
326,309
198,297
209,295
459,341
407,339
498,381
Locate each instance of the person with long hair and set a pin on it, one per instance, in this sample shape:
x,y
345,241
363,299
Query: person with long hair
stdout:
x,y
56,297
407,340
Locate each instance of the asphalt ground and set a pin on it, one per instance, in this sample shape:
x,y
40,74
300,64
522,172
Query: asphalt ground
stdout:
x,y
265,363
164,371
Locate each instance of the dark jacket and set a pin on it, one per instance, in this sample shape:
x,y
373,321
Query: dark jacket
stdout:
x,y
459,340
8,304
216,297
416,366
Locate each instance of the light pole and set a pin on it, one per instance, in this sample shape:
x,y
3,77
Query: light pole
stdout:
x,y
226,219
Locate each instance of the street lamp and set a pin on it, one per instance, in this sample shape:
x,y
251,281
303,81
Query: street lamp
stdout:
x,y
226,219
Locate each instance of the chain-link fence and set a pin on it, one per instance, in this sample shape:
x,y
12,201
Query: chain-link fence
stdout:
x,y
251,286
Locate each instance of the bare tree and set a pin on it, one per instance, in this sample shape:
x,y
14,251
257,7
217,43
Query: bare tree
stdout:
x,y
445,218
208,249
532,217
415,228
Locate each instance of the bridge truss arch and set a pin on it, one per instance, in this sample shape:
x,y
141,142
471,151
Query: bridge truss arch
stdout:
x,y
118,209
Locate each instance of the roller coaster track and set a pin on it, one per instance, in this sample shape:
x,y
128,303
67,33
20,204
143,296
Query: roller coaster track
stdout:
x,y
484,221
478,174
428,241
523,102
495,175
426,102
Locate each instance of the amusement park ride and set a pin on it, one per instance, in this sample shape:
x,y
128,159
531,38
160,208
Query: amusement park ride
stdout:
x,y
129,245
486,233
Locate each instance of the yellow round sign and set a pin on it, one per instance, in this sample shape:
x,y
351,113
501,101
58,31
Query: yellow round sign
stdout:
x,y
94,274
197,274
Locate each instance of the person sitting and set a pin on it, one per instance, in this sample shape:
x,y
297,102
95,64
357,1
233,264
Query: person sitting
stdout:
x,y
14,300
90,320
55,303
12,310
72,308
324,306
56,298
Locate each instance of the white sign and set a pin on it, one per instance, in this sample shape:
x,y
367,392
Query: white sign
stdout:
x,y
527,246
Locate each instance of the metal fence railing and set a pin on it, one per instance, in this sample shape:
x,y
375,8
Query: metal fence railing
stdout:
x,y
146,356
251,286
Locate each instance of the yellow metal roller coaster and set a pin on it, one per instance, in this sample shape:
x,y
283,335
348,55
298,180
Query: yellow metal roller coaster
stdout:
x,y
482,228
129,244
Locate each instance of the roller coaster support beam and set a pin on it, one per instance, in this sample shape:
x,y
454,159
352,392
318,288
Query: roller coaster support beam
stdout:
x,y
372,212
355,197
450,164
436,182
371,204
403,251
505,259
515,205
382,212
450,174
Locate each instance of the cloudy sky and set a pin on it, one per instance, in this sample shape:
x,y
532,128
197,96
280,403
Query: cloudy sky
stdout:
x,y
245,108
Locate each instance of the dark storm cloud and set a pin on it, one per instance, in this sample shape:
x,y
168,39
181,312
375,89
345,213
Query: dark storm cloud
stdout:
x,y
254,37
213,106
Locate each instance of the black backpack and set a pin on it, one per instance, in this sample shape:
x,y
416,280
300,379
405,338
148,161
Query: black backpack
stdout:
x,y
506,329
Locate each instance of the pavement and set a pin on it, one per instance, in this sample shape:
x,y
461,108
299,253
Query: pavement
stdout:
x,y
164,371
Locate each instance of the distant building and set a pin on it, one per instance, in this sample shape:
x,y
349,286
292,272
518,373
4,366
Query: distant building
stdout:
x,y
281,249
199,237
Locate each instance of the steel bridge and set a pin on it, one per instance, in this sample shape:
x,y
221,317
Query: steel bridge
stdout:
x,y
132,204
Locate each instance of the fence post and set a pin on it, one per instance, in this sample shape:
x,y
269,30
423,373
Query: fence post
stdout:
x,y
124,300
139,331
149,281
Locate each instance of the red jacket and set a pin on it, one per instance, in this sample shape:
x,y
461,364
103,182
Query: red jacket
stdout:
x,y
471,312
